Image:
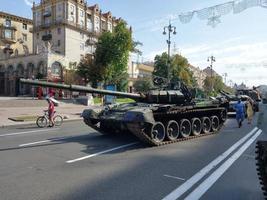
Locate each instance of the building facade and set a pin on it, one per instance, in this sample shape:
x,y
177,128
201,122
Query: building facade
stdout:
x,y
199,75
69,27
15,44
61,32
15,36
137,71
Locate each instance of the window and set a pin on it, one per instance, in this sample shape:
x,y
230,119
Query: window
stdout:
x,y
59,7
82,23
58,31
110,26
89,25
82,46
37,36
58,43
24,26
24,37
81,13
8,23
8,34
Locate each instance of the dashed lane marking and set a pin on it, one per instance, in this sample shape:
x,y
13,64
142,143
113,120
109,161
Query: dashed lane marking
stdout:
x,y
102,152
25,132
174,177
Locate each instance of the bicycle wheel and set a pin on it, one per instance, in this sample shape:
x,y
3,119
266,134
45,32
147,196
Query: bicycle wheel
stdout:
x,y
41,122
58,120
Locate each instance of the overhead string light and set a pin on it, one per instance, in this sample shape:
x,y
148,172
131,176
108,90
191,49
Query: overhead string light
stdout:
x,y
213,14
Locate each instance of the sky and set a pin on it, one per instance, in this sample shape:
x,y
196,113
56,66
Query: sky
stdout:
x,y
239,42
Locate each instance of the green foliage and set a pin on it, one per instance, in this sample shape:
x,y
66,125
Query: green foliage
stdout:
x,y
71,77
178,68
89,71
216,83
143,85
111,58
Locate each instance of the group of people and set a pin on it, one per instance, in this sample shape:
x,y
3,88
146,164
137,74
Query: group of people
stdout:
x,y
241,110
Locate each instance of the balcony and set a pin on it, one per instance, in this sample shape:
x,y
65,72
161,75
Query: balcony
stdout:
x,y
12,27
47,37
47,14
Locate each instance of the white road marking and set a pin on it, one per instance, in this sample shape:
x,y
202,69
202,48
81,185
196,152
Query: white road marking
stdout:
x,y
33,143
45,141
199,175
205,185
175,177
102,152
25,132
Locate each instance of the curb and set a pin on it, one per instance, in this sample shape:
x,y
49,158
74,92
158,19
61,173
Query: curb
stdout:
x,y
33,123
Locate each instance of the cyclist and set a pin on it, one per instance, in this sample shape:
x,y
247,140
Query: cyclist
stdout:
x,y
51,111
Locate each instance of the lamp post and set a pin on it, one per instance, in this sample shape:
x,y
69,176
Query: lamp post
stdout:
x,y
211,59
170,29
225,76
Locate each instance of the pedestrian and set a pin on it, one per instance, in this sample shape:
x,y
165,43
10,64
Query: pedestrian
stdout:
x,y
249,111
240,112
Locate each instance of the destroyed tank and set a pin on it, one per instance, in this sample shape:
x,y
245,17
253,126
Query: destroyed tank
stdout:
x,y
161,116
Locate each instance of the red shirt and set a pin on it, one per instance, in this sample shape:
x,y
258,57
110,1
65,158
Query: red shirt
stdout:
x,y
51,107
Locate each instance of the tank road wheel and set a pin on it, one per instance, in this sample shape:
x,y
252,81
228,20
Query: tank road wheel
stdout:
x,y
172,130
158,132
206,125
215,123
224,115
185,128
196,126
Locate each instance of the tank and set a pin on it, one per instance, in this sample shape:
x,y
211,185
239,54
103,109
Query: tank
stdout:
x,y
161,116
261,163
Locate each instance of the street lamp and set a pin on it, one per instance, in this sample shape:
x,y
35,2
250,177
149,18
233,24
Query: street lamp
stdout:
x,y
211,59
225,75
170,29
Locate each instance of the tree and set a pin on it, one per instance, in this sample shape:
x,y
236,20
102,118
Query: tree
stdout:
x,y
111,58
178,68
88,71
215,83
143,84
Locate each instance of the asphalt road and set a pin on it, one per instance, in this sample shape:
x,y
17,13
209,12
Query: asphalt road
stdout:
x,y
75,162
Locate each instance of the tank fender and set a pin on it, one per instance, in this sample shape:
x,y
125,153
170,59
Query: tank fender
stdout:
x,y
144,115
89,114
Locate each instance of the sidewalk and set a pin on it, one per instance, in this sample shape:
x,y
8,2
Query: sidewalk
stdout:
x,y
21,107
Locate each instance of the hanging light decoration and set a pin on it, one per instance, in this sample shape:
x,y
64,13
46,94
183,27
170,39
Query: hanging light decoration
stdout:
x,y
213,14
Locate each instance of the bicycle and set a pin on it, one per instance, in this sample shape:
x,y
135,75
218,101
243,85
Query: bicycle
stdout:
x,y
43,121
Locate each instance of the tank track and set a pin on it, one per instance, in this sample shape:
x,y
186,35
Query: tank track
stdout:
x,y
140,134
143,137
261,163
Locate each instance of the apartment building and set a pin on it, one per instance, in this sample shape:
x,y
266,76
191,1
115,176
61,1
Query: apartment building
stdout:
x,y
137,71
69,27
61,32
15,35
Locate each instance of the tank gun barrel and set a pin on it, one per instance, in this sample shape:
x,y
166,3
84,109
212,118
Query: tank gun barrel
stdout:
x,y
79,88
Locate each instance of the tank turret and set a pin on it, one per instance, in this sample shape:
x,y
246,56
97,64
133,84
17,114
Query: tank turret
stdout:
x,y
171,94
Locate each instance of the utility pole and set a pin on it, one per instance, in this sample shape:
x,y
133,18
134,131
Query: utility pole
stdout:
x,y
170,29
211,59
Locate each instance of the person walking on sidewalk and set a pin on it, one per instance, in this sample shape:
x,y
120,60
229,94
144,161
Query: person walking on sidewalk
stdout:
x,y
249,111
240,112
51,111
